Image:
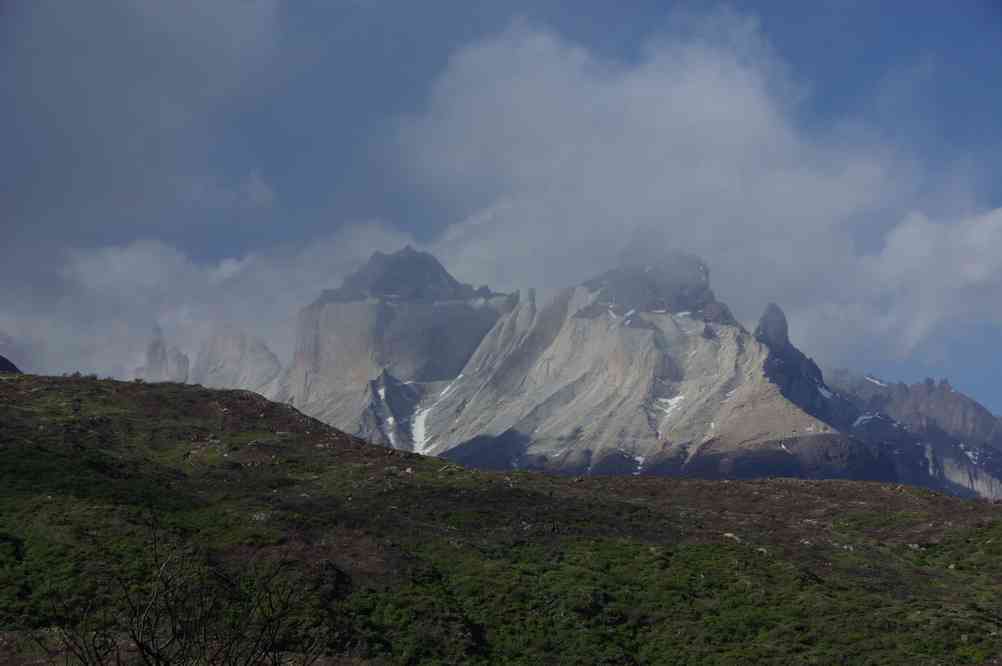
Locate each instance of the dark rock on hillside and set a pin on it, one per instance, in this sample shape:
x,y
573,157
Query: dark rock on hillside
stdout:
x,y
8,367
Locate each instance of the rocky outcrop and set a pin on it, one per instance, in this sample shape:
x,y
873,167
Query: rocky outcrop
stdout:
x,y
389,406
177,365
927,406
402,313
155,369
937,435
8,367
773,330
233,359
163,364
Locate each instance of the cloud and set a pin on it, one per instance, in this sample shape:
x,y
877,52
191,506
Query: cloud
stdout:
x,y
556,153
113,296
931,272
564,155
252,193
116,109
692,140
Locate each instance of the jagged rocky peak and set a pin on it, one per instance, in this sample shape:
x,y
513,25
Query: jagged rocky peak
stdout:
x,y
230,358
156,357
773,330
8,367
649,279
405,275
163,364
178,365
929,407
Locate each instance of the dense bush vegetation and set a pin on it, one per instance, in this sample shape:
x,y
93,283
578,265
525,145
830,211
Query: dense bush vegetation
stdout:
x,y
219,528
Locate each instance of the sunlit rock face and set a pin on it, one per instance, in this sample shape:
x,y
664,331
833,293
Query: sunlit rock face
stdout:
x,y
626,375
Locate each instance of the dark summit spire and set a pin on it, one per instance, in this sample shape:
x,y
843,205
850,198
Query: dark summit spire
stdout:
x,y
406,275
772,329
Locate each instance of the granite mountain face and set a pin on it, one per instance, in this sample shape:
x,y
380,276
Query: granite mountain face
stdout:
x,y
227,358
232,358
402,314
638,371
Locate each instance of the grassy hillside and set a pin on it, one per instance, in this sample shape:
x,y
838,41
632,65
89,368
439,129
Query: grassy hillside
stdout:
x,y
398,559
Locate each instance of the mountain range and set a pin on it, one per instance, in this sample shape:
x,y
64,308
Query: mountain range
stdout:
x,y
637,371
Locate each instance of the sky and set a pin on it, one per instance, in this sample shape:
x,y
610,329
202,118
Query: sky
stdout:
x,y
193,163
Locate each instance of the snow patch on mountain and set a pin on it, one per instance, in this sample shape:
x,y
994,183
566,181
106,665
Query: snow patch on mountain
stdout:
x,y
419,430
669,405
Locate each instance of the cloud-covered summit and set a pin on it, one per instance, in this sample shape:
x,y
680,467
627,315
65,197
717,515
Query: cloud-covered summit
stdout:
x,y
571,153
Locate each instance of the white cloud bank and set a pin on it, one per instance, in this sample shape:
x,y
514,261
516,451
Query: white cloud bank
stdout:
x,y
700,139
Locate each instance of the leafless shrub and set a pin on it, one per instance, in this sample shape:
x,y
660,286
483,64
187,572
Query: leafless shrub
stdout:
x,y
188,611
